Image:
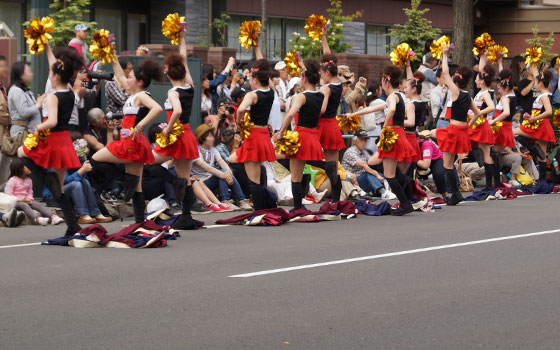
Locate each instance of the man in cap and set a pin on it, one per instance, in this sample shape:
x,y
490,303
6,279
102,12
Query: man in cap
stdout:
x,y
79,42
282,86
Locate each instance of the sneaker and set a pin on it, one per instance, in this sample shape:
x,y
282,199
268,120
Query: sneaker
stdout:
x,y
318,196
514,183
9,218
455,199
402,209
199,209
20,218
245,205
86,220
108,197
229,203
55,220
216,208
102,219
305,201
42,221
388,195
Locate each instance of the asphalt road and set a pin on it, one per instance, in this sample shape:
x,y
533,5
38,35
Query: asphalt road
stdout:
x,y
502,294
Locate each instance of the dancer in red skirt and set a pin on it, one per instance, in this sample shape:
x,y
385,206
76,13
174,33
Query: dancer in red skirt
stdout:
x,y
482,134
133,149
329,132
178,108
308,105
56,151
454,139
414,108
539,128
257,147
504,113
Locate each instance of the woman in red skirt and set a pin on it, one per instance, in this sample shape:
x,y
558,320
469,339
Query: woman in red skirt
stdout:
x,y
414,108
178,108
537,126
481,132
257,147
454,139
133,149
504,113
54,149
308,105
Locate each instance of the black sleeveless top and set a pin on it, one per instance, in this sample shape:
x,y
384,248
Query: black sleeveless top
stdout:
x,y
461,106
65,107
260,111
334,101
512,105
418,114
398,117
309,113
484,105
186,95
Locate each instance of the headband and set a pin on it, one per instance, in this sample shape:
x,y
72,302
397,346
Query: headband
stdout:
x,y
328,63
254,70
458,75
59,64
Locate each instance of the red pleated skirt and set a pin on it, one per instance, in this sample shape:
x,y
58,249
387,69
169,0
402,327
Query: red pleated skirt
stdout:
x,y
135,151
543,132
411,137
504,137
310,147
257,147
402,149
454,139
56,152
482,134
330,135
185,147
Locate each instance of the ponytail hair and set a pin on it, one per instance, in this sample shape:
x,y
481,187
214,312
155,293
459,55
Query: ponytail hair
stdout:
x,y
329,64
312,71
462,76
149,69
393,75
261,71
545,77
68,62
487,74
175,66
505,79
417,80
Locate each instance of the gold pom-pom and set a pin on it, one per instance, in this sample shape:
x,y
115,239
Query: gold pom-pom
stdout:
x,y
497,126
401,55
171,27
38,34
556,118
526,123
482,43
245,126
102,48
533,55
292,65
249,34
32,140
348,124
496,52
479,121
437,46
314,26
289,143
387,139
176,132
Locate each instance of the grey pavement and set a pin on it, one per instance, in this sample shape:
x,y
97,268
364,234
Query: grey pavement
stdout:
x,y
496,295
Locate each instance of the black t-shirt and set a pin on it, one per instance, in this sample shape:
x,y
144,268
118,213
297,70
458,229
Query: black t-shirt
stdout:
x,y
526,102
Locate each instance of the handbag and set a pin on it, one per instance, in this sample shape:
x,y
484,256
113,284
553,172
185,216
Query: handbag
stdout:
x,y
465,182
10,144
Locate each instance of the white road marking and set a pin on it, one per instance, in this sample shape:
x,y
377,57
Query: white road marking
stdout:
x,y
387,255
20,245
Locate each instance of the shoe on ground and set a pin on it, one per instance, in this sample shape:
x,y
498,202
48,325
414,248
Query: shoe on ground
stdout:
x,y
388,195
515,183
319,196
186,222
102,219
216,208
402,210
199,209
108,197
10,217
230,204
86,220
225,208
42,221
455,199
55,220
245,205
20,218
305,201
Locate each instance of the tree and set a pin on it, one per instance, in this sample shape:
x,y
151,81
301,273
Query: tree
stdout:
x,y
536,40
310,48
220,25
463,32
416,31
68,13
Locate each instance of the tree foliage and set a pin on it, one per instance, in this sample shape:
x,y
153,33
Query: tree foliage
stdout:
x,y
310,48
68,13
220,25
537,40
416,31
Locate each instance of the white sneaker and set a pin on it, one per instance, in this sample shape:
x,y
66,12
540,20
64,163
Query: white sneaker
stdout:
x,y
244,205
55,220
305,201
318,196
515,183
229,204
42,221
388,195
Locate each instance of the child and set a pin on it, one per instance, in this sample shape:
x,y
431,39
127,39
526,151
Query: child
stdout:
x,y
20,186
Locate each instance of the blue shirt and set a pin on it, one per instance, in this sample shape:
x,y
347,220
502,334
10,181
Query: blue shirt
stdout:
x,y
554,87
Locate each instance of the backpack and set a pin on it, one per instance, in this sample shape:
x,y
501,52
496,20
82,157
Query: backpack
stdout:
x,y
523,177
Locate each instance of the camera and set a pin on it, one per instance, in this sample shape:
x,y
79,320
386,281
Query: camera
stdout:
x,y
230,110
114,115
93,76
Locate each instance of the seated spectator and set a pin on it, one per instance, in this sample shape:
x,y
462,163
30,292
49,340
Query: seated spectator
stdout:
x,y
350,188
279,181
214,178
99,132
237,96
116,97
231,140
432,161
207,197
355,160
20,186
158,179
514,160
12,218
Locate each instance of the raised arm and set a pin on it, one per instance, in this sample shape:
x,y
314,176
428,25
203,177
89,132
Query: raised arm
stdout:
x,y
408,71
446,76
324,42
50,56
183,51
367,110
120,78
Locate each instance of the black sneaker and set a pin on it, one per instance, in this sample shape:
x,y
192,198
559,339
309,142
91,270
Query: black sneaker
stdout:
x,y
199,209
108,197
455,199
186,222
9,218
402,209
20,218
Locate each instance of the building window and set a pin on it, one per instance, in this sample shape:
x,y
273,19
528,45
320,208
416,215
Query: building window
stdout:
x,y
376,40
275,38
12,16
112,21
233,37
293,26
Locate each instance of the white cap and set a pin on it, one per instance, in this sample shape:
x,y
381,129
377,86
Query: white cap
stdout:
x,y
280,65
293,82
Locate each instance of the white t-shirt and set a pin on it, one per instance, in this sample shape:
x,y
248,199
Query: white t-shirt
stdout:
x,y
209,157
275,117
